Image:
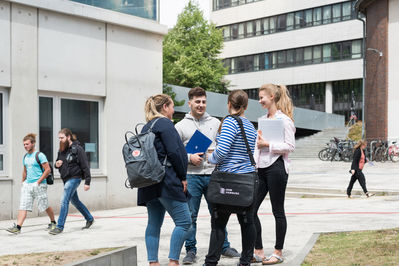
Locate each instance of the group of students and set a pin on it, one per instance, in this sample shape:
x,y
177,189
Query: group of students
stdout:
x,y
73,166
188,175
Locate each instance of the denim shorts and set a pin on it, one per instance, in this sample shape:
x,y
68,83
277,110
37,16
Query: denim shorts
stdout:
x,y
30,192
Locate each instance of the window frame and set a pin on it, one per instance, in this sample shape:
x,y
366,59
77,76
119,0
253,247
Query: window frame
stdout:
x,y
4,147
57,125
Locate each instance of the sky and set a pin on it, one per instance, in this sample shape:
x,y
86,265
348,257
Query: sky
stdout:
x,y
170,9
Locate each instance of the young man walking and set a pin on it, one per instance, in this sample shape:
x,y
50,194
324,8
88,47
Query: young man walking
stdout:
x,y
34,185
199,171
73,166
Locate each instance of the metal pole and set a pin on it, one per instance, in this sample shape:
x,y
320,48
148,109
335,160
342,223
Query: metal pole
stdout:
x,y
364,74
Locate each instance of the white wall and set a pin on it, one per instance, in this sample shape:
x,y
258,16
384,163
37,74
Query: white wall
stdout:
x,y
335,32
298,75
393,69
5,68
264,8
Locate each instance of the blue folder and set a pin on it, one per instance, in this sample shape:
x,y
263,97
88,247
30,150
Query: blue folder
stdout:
x,y
198,143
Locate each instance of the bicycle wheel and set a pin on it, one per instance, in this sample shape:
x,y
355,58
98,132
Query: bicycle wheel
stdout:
x,y
394,154
323,154
346,155
378,154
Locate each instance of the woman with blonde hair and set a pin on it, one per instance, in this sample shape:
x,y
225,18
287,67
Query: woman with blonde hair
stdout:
x,y
171,193
359,159
273,164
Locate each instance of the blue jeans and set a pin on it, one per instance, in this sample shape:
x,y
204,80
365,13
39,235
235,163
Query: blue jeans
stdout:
x,y
180,214
197,186
71,195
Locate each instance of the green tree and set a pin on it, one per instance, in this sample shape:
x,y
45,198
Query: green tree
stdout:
x,y
190,52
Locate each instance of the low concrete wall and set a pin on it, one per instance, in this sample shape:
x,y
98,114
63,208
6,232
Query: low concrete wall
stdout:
x,y
120,257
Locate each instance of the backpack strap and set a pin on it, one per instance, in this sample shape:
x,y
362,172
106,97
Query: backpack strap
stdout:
x,y
239,121
38,161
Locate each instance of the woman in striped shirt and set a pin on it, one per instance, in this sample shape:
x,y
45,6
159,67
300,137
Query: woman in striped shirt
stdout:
x,y
231,155
273,163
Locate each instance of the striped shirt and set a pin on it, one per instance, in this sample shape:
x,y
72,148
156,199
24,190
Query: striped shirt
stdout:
x,y
231,152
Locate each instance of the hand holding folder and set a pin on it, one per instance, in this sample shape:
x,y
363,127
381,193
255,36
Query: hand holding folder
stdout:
x,y
198,143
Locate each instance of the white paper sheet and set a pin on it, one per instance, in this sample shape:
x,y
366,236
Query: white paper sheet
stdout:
x,y
272,129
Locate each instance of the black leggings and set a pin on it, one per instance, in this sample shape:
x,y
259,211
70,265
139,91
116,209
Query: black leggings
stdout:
x,y
218,223
362,181
272,179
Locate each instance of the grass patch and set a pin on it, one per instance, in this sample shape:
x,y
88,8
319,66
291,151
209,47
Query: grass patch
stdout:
x,y
51,258
378,247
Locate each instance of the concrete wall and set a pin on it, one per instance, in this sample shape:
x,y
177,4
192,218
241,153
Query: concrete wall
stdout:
x,y
77,52
393,68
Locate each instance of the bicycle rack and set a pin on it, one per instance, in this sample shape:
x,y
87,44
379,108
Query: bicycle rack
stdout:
x,y
371,149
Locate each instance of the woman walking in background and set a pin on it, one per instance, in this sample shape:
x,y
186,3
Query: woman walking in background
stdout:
x,y
273,164
231,155
170,194
359,159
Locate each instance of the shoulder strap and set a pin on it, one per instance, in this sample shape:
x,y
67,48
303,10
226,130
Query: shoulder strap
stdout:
x,y
38,160
239,121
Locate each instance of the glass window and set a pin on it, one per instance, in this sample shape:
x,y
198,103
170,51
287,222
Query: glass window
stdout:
x,y
346,10
227,63
336,12
250,29
256,63
290,21
317,16
281,58
1,118
226,33
1,162
267,61
307,55
249,63
234,65
346,50
336,51
241,64
308,17
299,20
299,56
234,2
272,24
281,23
357,49
290,57
234,31
258,29
326,52
265,24
82,118
274,60
46,127
326,14
261,61
316,54
240,30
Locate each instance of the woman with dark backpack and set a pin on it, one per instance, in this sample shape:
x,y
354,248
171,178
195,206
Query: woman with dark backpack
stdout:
x,y
231,156
359,159
170,195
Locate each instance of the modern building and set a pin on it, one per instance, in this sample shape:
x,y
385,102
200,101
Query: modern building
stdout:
x,y
382,66
314,47
88,67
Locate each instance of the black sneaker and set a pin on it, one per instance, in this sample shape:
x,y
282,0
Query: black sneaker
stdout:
x,y
88,224
231,253
55,231
190,258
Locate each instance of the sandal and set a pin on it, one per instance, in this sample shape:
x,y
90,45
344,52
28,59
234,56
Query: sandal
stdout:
x,y
256,259
268,262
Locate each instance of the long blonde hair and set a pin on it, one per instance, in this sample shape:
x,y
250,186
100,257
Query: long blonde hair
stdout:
x,y
282,98
359,144
153,106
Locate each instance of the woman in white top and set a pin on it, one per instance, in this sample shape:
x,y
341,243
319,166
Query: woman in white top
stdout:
x,y
273,163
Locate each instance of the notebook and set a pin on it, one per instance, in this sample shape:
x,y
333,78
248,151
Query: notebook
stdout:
x,y
272,129
198,143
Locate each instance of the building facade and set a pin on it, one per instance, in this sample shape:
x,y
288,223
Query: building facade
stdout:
x,y
382,66
68,64
314,47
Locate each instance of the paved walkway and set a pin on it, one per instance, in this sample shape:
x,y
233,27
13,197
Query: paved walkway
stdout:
x,y
126,227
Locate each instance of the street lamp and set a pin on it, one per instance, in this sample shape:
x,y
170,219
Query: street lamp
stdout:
x,y
375,50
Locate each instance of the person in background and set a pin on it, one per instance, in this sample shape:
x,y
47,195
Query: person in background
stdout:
x,y
199,170
359,159
171,193
273,167
34,185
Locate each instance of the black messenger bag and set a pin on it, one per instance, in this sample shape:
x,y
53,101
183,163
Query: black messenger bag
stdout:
x,y
232,191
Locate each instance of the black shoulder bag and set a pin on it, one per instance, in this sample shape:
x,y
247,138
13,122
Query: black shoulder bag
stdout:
x,y
232,191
